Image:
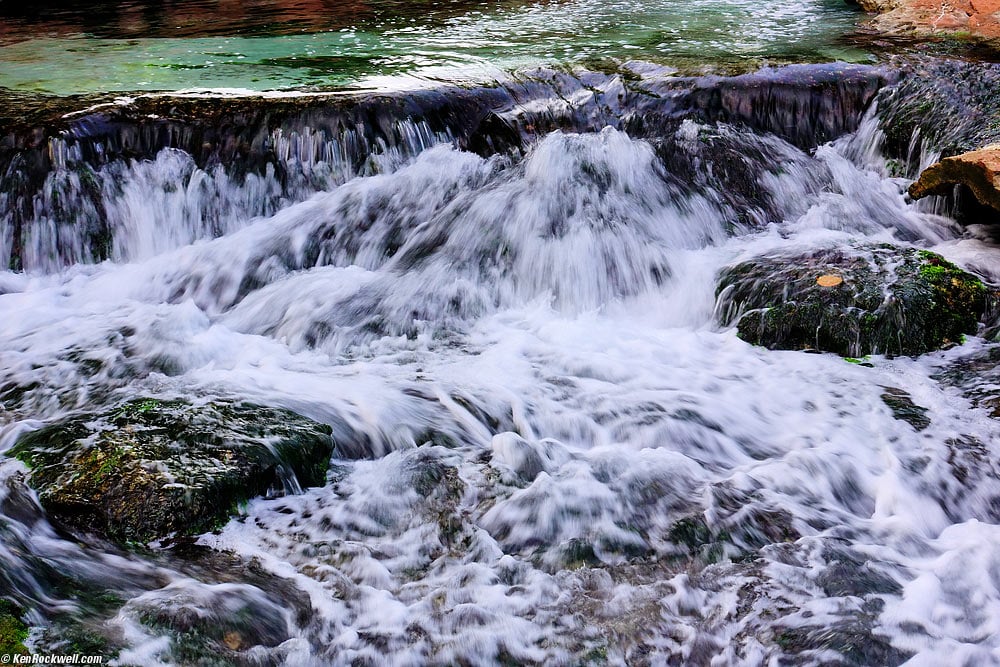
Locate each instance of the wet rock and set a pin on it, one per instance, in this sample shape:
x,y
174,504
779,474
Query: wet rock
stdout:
x,y
978,170
853,639
805,105
68,636
701,542
232,624
879,6
739,536
850,574
977,377
518,454
968,459
904,409
952,106
13,631
870,300
149,469
702,156
440,489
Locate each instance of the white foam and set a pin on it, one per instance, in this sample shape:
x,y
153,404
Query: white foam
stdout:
x,y
535,414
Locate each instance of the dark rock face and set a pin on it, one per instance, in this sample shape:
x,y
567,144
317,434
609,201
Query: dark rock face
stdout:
x,y
876,300
806,105
952,105
149,469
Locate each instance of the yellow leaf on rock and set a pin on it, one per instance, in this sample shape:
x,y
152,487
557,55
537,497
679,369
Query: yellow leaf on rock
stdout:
x,y
829,280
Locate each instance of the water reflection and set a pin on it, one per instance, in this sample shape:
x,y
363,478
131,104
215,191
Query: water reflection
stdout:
x,y
212,18
257,45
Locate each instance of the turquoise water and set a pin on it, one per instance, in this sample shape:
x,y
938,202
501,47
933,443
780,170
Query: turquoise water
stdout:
x,y
474,43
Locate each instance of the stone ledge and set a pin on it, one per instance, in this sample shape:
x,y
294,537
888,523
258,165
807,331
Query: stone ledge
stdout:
x,y
979,170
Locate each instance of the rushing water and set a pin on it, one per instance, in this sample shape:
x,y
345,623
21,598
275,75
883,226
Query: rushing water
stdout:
x,y
501,299
191,44
547,450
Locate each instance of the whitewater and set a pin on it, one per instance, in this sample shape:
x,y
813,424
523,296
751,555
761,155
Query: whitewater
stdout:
x,y
547,448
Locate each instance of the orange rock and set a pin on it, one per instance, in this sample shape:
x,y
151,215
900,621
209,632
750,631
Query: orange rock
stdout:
x,y
969,18
979,170
986,6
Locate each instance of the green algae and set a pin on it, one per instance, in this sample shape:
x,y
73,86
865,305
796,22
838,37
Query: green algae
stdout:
x,y
13,631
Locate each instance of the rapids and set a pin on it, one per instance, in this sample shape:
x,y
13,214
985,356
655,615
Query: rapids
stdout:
x,y
547,451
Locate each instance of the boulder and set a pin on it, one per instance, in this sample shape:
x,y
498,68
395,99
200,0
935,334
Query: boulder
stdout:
x,y
977,20
876,299
978,170
149,469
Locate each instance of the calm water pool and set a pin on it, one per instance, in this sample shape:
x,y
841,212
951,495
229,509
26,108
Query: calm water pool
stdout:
x,y
264,46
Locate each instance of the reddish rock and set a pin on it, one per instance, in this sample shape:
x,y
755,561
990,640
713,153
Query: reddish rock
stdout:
x,y
978,170
985,20
976,19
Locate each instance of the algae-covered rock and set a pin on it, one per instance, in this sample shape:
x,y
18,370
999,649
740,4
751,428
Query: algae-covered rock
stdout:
x,y
880,299
148,469
13,631
947,105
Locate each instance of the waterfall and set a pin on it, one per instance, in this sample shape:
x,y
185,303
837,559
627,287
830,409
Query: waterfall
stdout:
x,y
500,303
127,184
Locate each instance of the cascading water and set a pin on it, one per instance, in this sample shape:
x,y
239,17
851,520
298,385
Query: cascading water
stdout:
x,y
546,449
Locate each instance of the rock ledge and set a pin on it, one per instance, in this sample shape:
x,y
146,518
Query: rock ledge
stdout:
x,y
978,170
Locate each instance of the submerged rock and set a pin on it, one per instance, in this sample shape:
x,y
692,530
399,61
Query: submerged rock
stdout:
x,y
904,409
149,469
978,170
228,624
977,377
873,300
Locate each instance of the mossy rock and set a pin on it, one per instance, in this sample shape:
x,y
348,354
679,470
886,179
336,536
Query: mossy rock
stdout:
x,y
149,469
13,631
877,299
